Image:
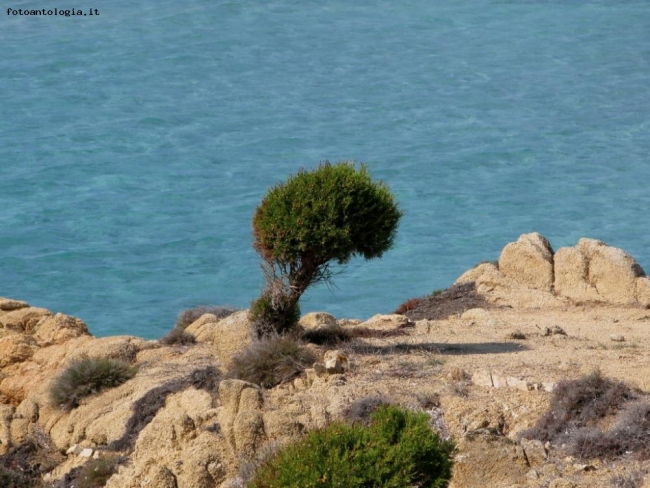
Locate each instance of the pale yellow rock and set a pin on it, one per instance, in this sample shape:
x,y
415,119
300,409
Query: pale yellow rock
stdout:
x,y
571,275
643,290
7,304
391,321
317,320
124,348
24,319
529,261
232,335
58,329
203,328
15,348
612,271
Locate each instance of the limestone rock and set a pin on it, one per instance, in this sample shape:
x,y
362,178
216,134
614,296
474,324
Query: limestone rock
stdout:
x,y
24,318
240,416
231,335
317,320
203,328
643,290
334,366
15,348
58,329
611,271
529,261
571,275
391,321
7,304
535,452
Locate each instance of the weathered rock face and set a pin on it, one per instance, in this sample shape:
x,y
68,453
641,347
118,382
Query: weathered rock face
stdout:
x,y
317,320
592,270
529,261
229,335
531,275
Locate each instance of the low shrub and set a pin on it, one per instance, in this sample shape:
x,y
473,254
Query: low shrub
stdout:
x,y
269,319
85,376
177,336
409,304
579,403
628,480
10,478
271,361
397,449
186,317
96,472
327,335
630,435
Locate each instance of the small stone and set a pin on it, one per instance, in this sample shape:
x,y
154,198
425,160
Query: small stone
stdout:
x,y
535,451
87,453
548,386
74,449
334,366
616,338
482,378
336,354
517,383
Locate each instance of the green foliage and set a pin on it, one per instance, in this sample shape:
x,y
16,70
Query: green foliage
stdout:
x,y
397,449
267,319
270,361
330,214
85,376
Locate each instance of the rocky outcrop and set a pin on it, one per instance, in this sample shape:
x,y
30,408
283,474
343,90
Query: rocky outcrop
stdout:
x,y
317,320
529,261
530,275
228,335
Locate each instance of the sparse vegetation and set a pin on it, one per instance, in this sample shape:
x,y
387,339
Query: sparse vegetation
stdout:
x,y
628,480
397,449
186,317
271,361
578,405
330,214
409,304
96,472
85,376
178,335
327,335
337,334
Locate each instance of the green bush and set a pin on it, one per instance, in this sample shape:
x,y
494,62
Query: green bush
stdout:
x,y
270,361
268,318
397,449
85,376
330,214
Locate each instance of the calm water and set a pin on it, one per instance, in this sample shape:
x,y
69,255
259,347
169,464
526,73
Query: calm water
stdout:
x,y
135,144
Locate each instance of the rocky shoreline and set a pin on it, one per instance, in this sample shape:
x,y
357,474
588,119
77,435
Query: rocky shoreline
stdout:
x,y
481,359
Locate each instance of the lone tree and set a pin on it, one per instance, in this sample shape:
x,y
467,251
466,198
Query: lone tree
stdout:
x,y
330,214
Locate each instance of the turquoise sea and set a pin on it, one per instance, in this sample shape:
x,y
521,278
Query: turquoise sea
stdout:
x,y
135,144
